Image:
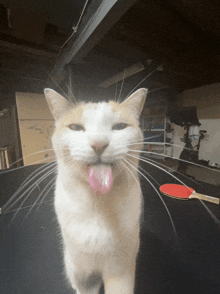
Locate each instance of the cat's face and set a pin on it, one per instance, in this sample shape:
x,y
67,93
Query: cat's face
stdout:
x,y
95,133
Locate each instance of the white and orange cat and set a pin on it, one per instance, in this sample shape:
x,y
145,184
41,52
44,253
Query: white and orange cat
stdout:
x,y
98,196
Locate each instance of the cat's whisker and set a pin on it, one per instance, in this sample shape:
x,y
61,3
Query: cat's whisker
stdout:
x,y
48,184
119,165
69,89
173,157
55,82
42,200
163,165
166,167
116,90
130,172
68,160
147,76
38,188
158,143
30,190
210,213
143,141
149,175
141,159
152,137
30,178
41,179
122,84
153,164
21,167
24,207
25,183
72,95
35,162
168,212
45,188
140,141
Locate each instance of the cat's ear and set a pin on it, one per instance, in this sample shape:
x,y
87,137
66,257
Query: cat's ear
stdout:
x,y
57,103
135,102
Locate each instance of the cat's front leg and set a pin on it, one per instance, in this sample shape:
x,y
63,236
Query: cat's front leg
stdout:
x,y
121,284
81,282
94,290
88,284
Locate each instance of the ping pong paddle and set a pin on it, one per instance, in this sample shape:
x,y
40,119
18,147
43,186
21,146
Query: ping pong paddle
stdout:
x,y
185,193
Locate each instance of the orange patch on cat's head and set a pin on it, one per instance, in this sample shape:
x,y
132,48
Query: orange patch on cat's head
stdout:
x,y
71,116
130,109
124,114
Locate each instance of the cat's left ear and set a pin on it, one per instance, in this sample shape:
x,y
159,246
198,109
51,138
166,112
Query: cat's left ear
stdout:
x,y
135,102
57,103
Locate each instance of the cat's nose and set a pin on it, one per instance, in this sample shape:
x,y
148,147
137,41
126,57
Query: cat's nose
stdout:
x,y
99,147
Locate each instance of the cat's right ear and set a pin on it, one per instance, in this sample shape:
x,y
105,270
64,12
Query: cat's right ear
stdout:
x,y
57,103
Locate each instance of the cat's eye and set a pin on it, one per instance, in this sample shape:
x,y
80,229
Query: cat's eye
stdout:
x,y
76,127
119,126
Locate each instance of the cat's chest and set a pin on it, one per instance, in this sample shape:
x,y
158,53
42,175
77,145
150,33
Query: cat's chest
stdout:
x,y
87,230
84,222
95,222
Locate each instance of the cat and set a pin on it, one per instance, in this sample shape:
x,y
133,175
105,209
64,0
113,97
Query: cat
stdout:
x,y
98,199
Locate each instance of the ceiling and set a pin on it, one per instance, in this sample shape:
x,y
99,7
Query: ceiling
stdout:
x,y
117,45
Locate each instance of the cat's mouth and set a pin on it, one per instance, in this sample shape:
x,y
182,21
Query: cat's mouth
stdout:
x,y
100,162
100,177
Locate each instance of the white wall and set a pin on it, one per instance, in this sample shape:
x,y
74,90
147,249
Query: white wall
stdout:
x,y
178,145
210,150
207,101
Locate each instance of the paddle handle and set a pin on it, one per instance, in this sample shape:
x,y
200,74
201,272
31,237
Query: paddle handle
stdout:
x,y
204,197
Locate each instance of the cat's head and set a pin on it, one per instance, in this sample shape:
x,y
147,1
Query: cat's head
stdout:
x,y
92,133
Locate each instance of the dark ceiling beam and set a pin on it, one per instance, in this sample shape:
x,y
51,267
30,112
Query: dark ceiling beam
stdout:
x,y
102,20
127,72
25,49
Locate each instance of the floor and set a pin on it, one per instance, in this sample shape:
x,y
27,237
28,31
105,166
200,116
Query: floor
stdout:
x,y
185,263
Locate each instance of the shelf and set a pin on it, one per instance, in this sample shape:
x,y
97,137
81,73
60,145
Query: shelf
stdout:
x,y
155,144
154,130
158,155
158,133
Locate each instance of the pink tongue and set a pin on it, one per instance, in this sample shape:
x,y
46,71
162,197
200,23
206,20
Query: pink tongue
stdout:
x,y
100,178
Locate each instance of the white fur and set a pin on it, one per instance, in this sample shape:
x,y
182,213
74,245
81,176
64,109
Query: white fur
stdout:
x,y
100,233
